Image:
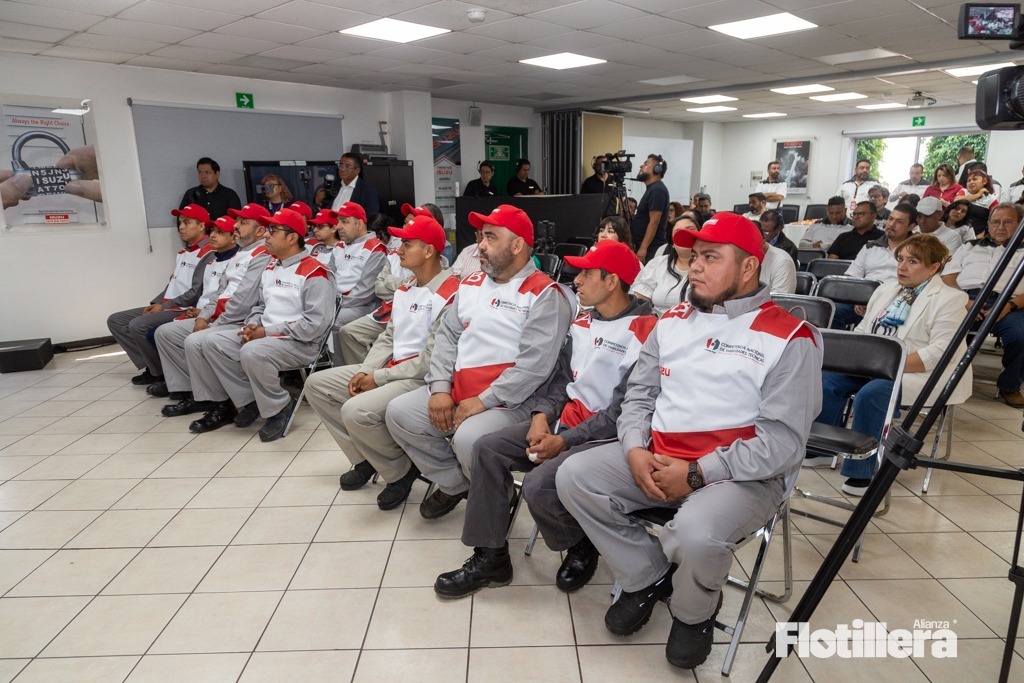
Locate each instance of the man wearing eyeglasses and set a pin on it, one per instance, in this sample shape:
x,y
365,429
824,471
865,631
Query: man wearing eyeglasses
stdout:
x,y
849,244
353,187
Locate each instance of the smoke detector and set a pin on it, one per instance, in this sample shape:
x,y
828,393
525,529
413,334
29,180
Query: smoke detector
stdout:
x,y
919,100
476,16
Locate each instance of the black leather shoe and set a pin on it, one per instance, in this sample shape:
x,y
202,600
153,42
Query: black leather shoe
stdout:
x,y
145,378
158,389
578,567
487,568
394,494
689,645
631,611
440,504
247,415
185,406
220,414
357,477
273,428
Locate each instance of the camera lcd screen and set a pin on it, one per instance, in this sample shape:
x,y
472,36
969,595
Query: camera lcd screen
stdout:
x,y
988,22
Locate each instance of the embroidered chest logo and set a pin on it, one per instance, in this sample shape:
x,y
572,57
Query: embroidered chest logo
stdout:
x,y
602,344
509,306
717,346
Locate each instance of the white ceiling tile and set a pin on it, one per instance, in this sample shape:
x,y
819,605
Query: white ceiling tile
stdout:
x,y
10,29
100,7
269,63
588,14
269,30
632,53
303,54
143,30
28,47
513,52
332,70
644,27
450,14
520,7
243,8
340,43
461,42
151,62
467,62
688,41
409,54
223,41
379,8
89,55
48,17
314,15
292,77
174,15
98,42
577,41
196,54
517,29
357,63
235,70
721,12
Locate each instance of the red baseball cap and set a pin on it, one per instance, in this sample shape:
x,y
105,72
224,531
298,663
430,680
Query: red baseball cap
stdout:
x,y
251,211
224,223
416,211
352,210
422,228
301,208
615,257
193,211
325,217
725,228
288,219
505,216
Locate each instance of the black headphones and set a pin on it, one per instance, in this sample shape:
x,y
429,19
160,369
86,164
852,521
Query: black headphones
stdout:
x,y
659,168
480,164
520,163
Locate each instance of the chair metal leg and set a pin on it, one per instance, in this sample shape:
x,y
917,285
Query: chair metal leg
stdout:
x,y
533,539
947,414
517,500
291,418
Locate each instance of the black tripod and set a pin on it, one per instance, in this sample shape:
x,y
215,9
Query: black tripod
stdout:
x,y
901,448
615,203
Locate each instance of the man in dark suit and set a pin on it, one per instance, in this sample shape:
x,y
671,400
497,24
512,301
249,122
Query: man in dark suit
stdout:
x,y
771,227
352,187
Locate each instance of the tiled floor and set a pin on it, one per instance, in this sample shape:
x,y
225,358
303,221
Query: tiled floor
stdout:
x,y
133,550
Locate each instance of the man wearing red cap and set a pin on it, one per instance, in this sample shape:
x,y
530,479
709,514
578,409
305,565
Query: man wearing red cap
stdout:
x,y
283,332
494,348
714,425
352,399
133,328
575,409
356,266
324,228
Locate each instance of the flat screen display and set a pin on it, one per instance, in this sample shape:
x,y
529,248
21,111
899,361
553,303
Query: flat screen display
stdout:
x,y
277,183
988,22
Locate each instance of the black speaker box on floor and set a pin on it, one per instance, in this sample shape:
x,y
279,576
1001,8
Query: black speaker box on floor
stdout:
x,y
25,354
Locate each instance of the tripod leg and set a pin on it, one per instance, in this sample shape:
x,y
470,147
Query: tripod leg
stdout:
x,y
1017,576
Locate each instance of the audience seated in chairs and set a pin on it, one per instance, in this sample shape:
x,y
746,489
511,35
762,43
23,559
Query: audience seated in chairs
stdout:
x,y
922,311
823,232
663,279
968,270
616,228
848,245
771,223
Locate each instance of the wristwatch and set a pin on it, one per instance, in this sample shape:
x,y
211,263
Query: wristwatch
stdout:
x,y
694,478
1013,306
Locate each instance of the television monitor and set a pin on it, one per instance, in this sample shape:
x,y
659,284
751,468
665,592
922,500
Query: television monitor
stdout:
x,y
301,179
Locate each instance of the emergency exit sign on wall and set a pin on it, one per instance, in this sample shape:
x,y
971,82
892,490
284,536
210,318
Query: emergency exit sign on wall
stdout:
x,y
918,121
243,100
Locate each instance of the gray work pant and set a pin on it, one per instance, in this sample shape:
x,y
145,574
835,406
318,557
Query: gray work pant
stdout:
x,y
357,337
495,457
445,458
346,315
205,385
599,491
170,342
131,329
357,422
250,372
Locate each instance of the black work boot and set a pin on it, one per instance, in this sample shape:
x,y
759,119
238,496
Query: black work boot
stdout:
x,y
221,413
395,493
631,611
440,504
690,644
185,406
357,477
249,413
578,567
146,378
487,568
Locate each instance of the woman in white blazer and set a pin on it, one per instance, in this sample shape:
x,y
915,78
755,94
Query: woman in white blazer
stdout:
x,y
924,313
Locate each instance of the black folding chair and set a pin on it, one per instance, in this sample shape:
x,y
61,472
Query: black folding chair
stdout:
x,y
790,213
740,208
321,361
814,309
805,256
567,273
843,289
550,264
805,283
823,267
815,211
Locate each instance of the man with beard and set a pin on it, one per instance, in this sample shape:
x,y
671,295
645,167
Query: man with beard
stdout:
x,y
652,212
856,188
848,244
714,425
915,184
773,187
495,346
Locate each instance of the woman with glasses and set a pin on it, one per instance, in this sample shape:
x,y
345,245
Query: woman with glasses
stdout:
x,y
276,194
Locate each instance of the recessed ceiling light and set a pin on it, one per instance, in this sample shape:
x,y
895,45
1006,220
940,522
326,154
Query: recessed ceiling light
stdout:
x,y
962,71
766,115
802,89
771,25
883,105
563,60
711,110
839,97
857,56
394,31
708,99
671,80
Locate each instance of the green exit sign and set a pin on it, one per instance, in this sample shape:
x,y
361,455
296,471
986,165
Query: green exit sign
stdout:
x,y
918,121
243,100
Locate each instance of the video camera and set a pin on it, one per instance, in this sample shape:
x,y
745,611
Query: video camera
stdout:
x,y
615,164
999,99
544,238
331,187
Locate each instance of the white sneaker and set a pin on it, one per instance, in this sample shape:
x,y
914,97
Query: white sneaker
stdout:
x,y
856,487
817,461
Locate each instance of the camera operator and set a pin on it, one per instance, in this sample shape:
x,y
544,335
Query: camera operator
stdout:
x,y
600,182
352,188
482,186
652,212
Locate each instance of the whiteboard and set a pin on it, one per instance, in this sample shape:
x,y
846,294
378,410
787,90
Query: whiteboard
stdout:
x,y
678,154
171,139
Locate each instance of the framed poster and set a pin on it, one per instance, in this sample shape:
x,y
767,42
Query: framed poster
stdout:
x,y
794,158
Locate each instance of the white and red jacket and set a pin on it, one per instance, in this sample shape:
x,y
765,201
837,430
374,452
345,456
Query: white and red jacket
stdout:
x,y
415,309
283,292
185,264
722,360
350,261
603,351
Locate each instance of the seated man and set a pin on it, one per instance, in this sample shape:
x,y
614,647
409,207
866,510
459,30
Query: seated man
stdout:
x,y
823,232
283,332
879,196
714,425
576,408
929,222
495,346
847,245
771,223
133,328
355,266
757,203
970,267
778,272
324,227
352,399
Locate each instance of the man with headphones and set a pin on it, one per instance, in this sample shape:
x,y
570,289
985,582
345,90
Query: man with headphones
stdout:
x,y
599,183
652,212
482,186
521,184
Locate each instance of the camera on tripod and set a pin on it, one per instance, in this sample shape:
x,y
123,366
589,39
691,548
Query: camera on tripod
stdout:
x,y
544,238
330,186
999,100
616,164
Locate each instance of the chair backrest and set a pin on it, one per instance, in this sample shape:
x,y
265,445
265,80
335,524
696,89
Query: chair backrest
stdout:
x,y
805,256
550,264
563,249
868,356
815,211
845,289
790,213
814,309
823,267
740,208
805,283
